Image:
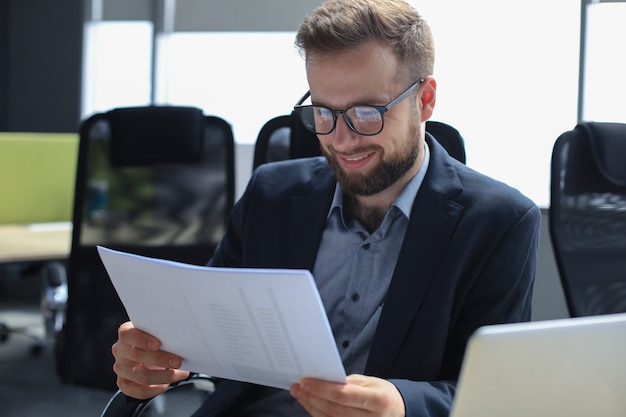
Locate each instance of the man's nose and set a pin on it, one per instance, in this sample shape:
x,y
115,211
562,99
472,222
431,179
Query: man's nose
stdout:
x,y
343,136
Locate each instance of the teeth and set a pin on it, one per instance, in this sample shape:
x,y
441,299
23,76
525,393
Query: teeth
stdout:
x,y
356,159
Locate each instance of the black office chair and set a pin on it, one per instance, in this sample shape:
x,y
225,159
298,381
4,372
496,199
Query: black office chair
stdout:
x,y
276,141
449,138
7,331
53,300
181,399
285,137
587,217
156,181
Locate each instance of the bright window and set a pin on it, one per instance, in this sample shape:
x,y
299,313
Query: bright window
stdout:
x,y
116,65
507,78
605,83
246,78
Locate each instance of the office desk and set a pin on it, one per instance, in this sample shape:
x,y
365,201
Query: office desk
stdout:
x,y
36,242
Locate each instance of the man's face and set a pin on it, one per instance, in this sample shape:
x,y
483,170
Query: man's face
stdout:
x,y
367,165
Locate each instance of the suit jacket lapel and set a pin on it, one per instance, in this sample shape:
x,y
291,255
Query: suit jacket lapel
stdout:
x,y
433,218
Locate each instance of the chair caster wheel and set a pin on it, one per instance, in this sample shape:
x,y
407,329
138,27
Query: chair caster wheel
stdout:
x,y
36,349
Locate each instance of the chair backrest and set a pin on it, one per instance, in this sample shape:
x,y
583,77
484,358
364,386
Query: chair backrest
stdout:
x,y
156,181
587,217
285,137
449,138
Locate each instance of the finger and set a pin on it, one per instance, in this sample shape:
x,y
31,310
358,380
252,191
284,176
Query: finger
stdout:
x,y
361,395
137,346
129,334
322,398
140,391
309,402
330,391
142,370
375,394
159,359
144,375
139,381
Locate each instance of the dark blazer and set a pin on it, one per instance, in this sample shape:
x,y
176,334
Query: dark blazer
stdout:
x,y
468,259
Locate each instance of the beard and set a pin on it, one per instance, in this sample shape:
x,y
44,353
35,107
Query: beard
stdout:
x,y
382,176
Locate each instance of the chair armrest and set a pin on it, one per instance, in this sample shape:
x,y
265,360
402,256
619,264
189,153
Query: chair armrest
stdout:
x,y
121,405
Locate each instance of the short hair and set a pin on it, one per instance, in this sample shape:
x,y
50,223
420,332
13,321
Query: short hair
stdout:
x,y
339,25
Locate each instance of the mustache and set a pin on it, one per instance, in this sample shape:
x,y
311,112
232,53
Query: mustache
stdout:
x,y
351,152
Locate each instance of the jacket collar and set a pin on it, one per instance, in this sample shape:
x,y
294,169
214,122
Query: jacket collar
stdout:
x,y
433,218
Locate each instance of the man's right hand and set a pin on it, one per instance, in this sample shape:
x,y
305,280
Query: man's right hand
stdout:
x,y
143,370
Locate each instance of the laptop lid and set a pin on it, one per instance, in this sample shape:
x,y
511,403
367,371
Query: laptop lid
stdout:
x,y
554,368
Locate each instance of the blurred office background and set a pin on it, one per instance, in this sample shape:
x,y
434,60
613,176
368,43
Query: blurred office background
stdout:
x,y
509,73
512,76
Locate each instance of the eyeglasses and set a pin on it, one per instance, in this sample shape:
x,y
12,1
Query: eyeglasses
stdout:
x,y
362,119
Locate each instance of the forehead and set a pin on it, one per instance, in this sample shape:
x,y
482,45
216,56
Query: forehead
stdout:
x,y
367,74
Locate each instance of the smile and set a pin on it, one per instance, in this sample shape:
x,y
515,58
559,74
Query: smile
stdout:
x,y
355,162
358,158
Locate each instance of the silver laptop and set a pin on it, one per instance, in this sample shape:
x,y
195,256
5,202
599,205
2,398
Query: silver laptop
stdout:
x,y
553,368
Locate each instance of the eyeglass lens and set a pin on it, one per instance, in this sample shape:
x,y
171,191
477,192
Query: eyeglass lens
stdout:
x,y
365,120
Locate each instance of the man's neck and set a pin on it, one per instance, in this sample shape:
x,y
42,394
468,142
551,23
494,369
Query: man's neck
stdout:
x,y
371,209
371,216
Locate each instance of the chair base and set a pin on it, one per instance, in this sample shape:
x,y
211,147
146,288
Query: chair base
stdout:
x,y
38,342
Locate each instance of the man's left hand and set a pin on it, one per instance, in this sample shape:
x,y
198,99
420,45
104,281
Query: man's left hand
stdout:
x,y
361,396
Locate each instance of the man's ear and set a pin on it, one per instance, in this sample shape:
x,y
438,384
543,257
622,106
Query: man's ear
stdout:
x,y
428,97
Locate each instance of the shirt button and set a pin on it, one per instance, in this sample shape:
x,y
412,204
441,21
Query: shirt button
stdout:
x,y
356,297
345,343
366,246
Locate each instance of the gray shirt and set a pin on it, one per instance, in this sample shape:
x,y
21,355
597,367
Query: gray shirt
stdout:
x,y
353,270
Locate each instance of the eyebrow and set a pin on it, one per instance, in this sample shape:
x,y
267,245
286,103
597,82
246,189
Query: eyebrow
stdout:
x,y
358,103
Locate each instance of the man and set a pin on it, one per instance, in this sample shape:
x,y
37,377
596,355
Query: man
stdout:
x,y
411,250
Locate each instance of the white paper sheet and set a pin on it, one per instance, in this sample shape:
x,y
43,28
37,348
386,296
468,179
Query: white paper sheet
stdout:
x,y
264,326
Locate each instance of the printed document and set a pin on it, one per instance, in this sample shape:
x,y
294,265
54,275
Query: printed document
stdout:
x,y
264,326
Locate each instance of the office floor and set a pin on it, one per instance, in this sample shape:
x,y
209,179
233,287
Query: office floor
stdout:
x,y
29,386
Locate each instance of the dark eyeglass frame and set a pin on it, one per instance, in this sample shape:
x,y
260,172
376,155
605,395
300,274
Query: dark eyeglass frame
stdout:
x,y
381,109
